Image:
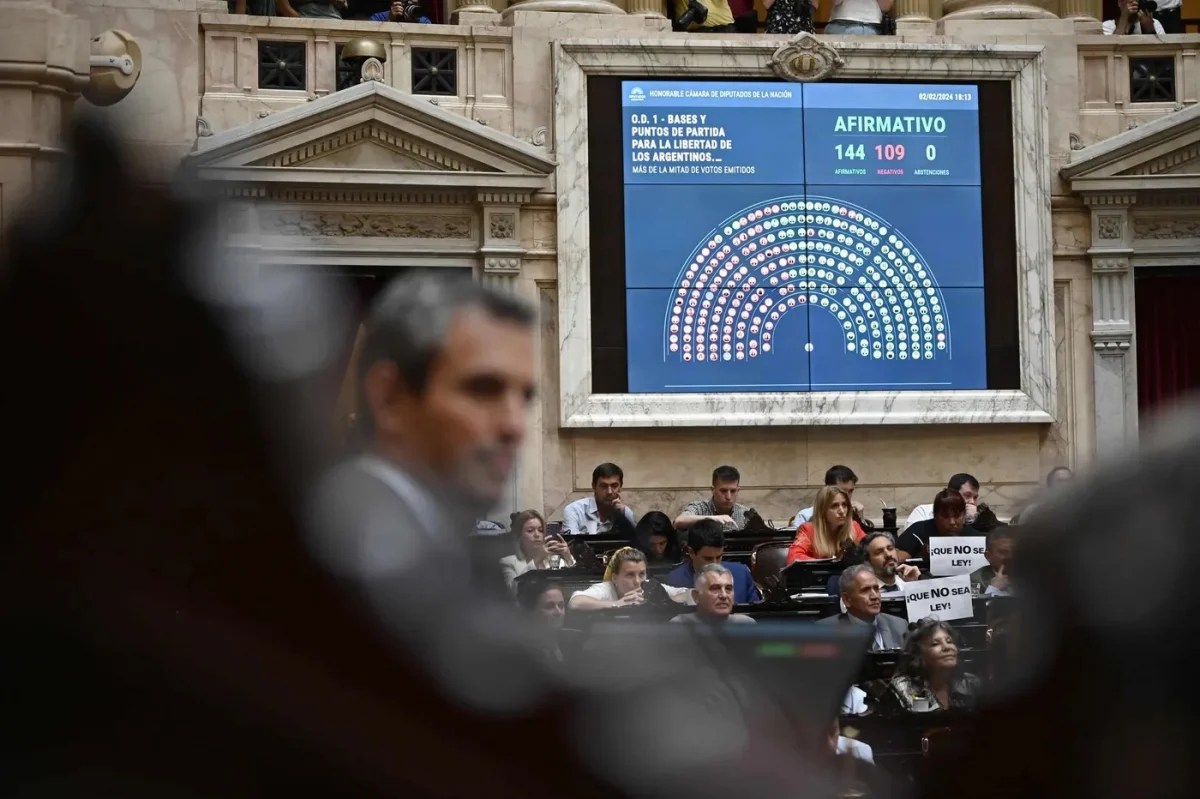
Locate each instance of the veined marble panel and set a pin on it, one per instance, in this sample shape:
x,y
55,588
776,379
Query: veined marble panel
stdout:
x,y
875,58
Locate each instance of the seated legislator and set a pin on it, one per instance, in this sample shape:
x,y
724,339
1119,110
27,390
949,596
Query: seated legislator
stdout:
x,y
656,536
722,506
860,595
831,532
928,672
706,546
949,518
598,513
713,595
999,553
543,601
844,478
534,551
967,486
622,586
879,552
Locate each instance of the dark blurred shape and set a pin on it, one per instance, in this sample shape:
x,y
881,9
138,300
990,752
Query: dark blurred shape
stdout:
x,y
166,633
1096,696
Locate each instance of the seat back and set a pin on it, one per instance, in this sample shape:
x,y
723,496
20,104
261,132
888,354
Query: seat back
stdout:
x,y
767,561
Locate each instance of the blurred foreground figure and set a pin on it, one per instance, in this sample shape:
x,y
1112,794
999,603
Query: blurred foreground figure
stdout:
x,y
1096,694
167,631
198,603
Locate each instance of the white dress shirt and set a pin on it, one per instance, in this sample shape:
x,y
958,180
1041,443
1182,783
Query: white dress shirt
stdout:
x,y
919,514
1109,27
607,592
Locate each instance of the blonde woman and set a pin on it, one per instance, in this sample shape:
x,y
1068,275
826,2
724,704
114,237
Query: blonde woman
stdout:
x,y
831,531
534,550
622,586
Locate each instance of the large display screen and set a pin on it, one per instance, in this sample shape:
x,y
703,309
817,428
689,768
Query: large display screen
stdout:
x,y
802,237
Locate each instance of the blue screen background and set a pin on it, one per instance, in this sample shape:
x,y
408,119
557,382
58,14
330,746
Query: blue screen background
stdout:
x,y
814,280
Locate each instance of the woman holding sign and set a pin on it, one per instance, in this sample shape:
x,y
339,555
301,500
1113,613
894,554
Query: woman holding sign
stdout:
x,y
949,518
928,673
831,532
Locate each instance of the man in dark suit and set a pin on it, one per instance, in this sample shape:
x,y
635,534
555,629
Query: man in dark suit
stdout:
x,y
445,378
860,594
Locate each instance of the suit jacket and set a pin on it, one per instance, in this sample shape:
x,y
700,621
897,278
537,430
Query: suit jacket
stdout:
x,y
892,629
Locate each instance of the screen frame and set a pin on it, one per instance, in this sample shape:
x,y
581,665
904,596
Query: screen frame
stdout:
x,y
1022,66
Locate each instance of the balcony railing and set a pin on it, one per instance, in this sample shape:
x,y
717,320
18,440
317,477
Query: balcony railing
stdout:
x,y
1127,80
254,66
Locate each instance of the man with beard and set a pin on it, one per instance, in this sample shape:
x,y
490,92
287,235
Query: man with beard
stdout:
x,y
879,551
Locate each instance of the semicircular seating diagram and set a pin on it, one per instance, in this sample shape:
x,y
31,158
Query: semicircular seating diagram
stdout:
x,y
795,251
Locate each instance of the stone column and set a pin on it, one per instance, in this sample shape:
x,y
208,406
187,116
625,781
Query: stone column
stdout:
x,y
1086,10
44,66
646,8
1115,356
487,7
568,6
998,9
500,238
913,16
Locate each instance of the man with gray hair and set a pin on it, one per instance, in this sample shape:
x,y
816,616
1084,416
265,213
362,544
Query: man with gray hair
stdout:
x,y
860,594
445,378
713,595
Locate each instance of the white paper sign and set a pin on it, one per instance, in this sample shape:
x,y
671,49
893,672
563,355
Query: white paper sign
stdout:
x,y
956,554
947,598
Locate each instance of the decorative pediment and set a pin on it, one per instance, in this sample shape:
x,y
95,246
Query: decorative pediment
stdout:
x,y
372,134
372,146
1163,154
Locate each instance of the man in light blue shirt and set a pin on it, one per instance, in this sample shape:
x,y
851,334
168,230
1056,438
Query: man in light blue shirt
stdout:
x,y
593,515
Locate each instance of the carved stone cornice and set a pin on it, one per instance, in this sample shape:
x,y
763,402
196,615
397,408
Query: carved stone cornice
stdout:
x,y
1164,227
805,59
347,196
1169,162
503,197
1101,199
369,225
502,265
1112,344
421,153
1108,265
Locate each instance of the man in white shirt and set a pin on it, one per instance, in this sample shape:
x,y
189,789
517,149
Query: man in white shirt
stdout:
x,y
966,485
596,514
713,596
1134,17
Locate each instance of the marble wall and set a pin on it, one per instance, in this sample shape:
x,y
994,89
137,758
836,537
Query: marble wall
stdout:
x,y
1079,97
159,115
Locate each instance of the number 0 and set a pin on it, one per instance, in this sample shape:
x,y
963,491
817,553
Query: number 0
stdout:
x,y
930,152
